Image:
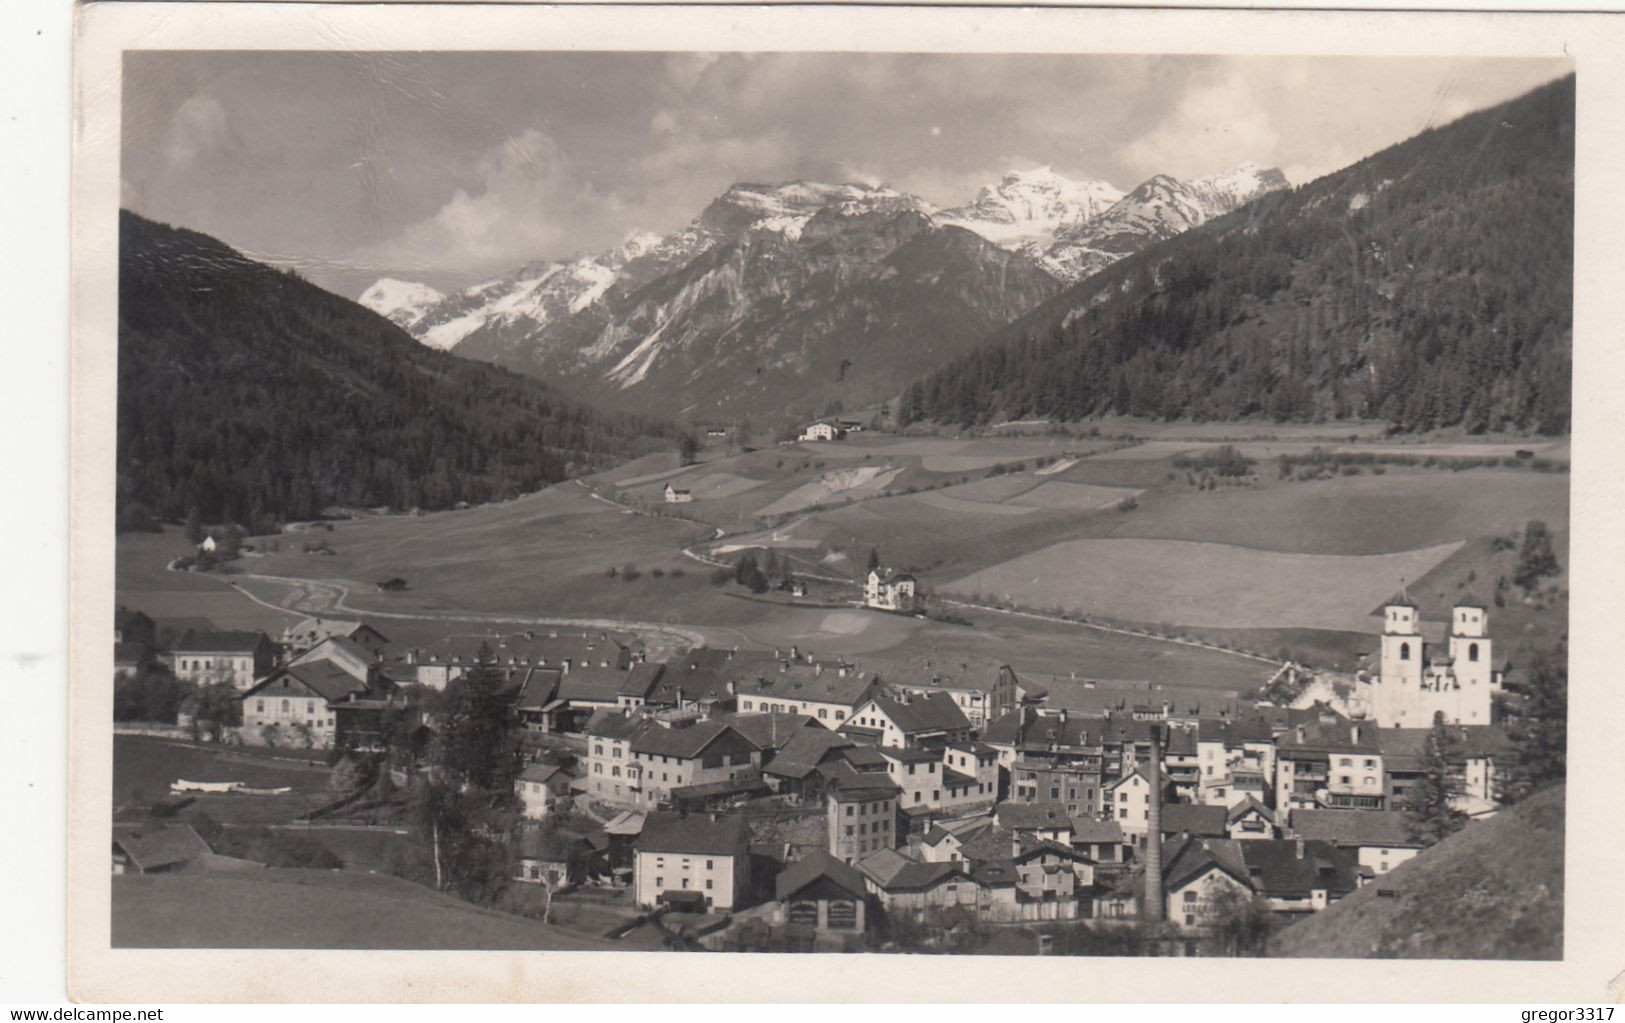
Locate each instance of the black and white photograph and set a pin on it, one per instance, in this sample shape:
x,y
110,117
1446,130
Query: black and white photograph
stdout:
x,y
1078,504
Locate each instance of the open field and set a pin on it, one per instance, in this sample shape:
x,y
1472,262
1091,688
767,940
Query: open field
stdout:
x,y
1075,496
286,908
838,484
143,769
1177,582
142,582
943,501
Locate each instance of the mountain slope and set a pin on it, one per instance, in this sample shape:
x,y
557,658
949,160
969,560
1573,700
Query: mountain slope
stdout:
x,y
1429,285
1026,209
1491,891
251,394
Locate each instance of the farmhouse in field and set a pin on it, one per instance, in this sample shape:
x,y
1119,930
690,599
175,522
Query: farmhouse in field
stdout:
x,y
822,431
887,590
1415,682
676,496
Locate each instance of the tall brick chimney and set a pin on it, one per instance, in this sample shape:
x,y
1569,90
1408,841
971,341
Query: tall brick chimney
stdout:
x,y
1152,910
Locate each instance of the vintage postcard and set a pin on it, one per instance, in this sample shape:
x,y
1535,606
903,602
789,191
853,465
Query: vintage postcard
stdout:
x,y
1038,504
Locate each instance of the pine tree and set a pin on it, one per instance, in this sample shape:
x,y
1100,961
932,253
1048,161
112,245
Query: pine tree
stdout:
x,y
1538,724
194,525
874,560
1431,814
1536,560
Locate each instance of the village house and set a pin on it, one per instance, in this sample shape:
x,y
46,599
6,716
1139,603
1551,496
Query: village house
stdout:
x,y
1379,839
1292,876
821,431
887,590
1052,872
1251,819
133,627
675,496
918,887
1042,822
639,684
929,721
344,653
608,776
821,893
1194,819
983,696
539,787
1102,841
292,705
308,632
454,656
686,754
555,859
860,812
160,849
794,770
1199,879
1329,763
1236,759
829,693
1128,801
1480,752
236,658
707,855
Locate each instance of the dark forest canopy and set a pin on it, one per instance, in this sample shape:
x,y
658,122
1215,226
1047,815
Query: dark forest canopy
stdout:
x,y
252,395
1429,285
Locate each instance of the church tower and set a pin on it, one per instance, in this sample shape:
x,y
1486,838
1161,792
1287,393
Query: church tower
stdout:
x,y
1399,681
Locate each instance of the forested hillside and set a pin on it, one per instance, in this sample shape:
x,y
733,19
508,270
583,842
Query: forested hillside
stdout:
x,y
251,394
1429,285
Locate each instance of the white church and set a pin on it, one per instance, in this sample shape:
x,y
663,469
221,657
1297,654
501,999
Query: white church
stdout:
x,y
1416,680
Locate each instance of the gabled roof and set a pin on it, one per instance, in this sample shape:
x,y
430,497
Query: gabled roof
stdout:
x,y
1351,828
1403,749
1185,859
1250,805
919,877
166,846
683,742
1031,848
1275,867
798,681
548,845
239,642
1030,816
322,678
612,724
541,687
698,833
815,865
1193,818
540,772
1094,831
846,784
641,679
930,712
883,864
340,644
804,751
772,731
591,684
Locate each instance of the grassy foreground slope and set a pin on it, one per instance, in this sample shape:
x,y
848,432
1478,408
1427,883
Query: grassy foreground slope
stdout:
x,y
284,908
1491,891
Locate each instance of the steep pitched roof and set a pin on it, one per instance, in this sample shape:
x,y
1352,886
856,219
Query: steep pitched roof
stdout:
x,y
155,848
930,712
684,742
1187,858
540,688
1094,831
806,682
324,678
848,784
641,679
592,684
1276,867
1193,818
804,751
923,876
703,834
1031,816
772,731
1250,805
883,864
818,864
1353,827
607,723
540,772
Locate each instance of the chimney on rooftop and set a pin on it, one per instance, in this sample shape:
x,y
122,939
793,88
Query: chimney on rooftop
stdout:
x,y
818,671
1354,734
1299,844
1300,734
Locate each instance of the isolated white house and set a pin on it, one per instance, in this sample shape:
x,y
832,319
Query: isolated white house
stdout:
x,y
890,591
822,431
675,496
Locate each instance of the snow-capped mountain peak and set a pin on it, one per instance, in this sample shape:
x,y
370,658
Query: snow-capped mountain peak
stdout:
x,y
402,302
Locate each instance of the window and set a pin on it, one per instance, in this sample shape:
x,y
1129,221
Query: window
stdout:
x,y
616,770
660,882
284,706
710,865
1190,896
1472,651
259,705
1122,814
823,713
1404,651
1370,764
598,769
685,882
936,794
849,809
598,749
1122,797
917,796
708,884
849,831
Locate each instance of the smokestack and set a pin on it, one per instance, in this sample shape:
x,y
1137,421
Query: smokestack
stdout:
x,y
1152,910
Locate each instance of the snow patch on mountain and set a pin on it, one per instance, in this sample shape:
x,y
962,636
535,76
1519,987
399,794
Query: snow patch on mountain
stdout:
x,y
1026,208
402,302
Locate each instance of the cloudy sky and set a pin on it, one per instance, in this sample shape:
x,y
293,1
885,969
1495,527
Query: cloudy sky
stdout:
x,y
449,168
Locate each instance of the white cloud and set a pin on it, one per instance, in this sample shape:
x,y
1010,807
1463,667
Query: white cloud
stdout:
x,y
1213,126
198,129
530,203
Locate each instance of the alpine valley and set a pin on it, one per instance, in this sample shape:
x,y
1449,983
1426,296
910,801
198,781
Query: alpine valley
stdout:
x,y
797,296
